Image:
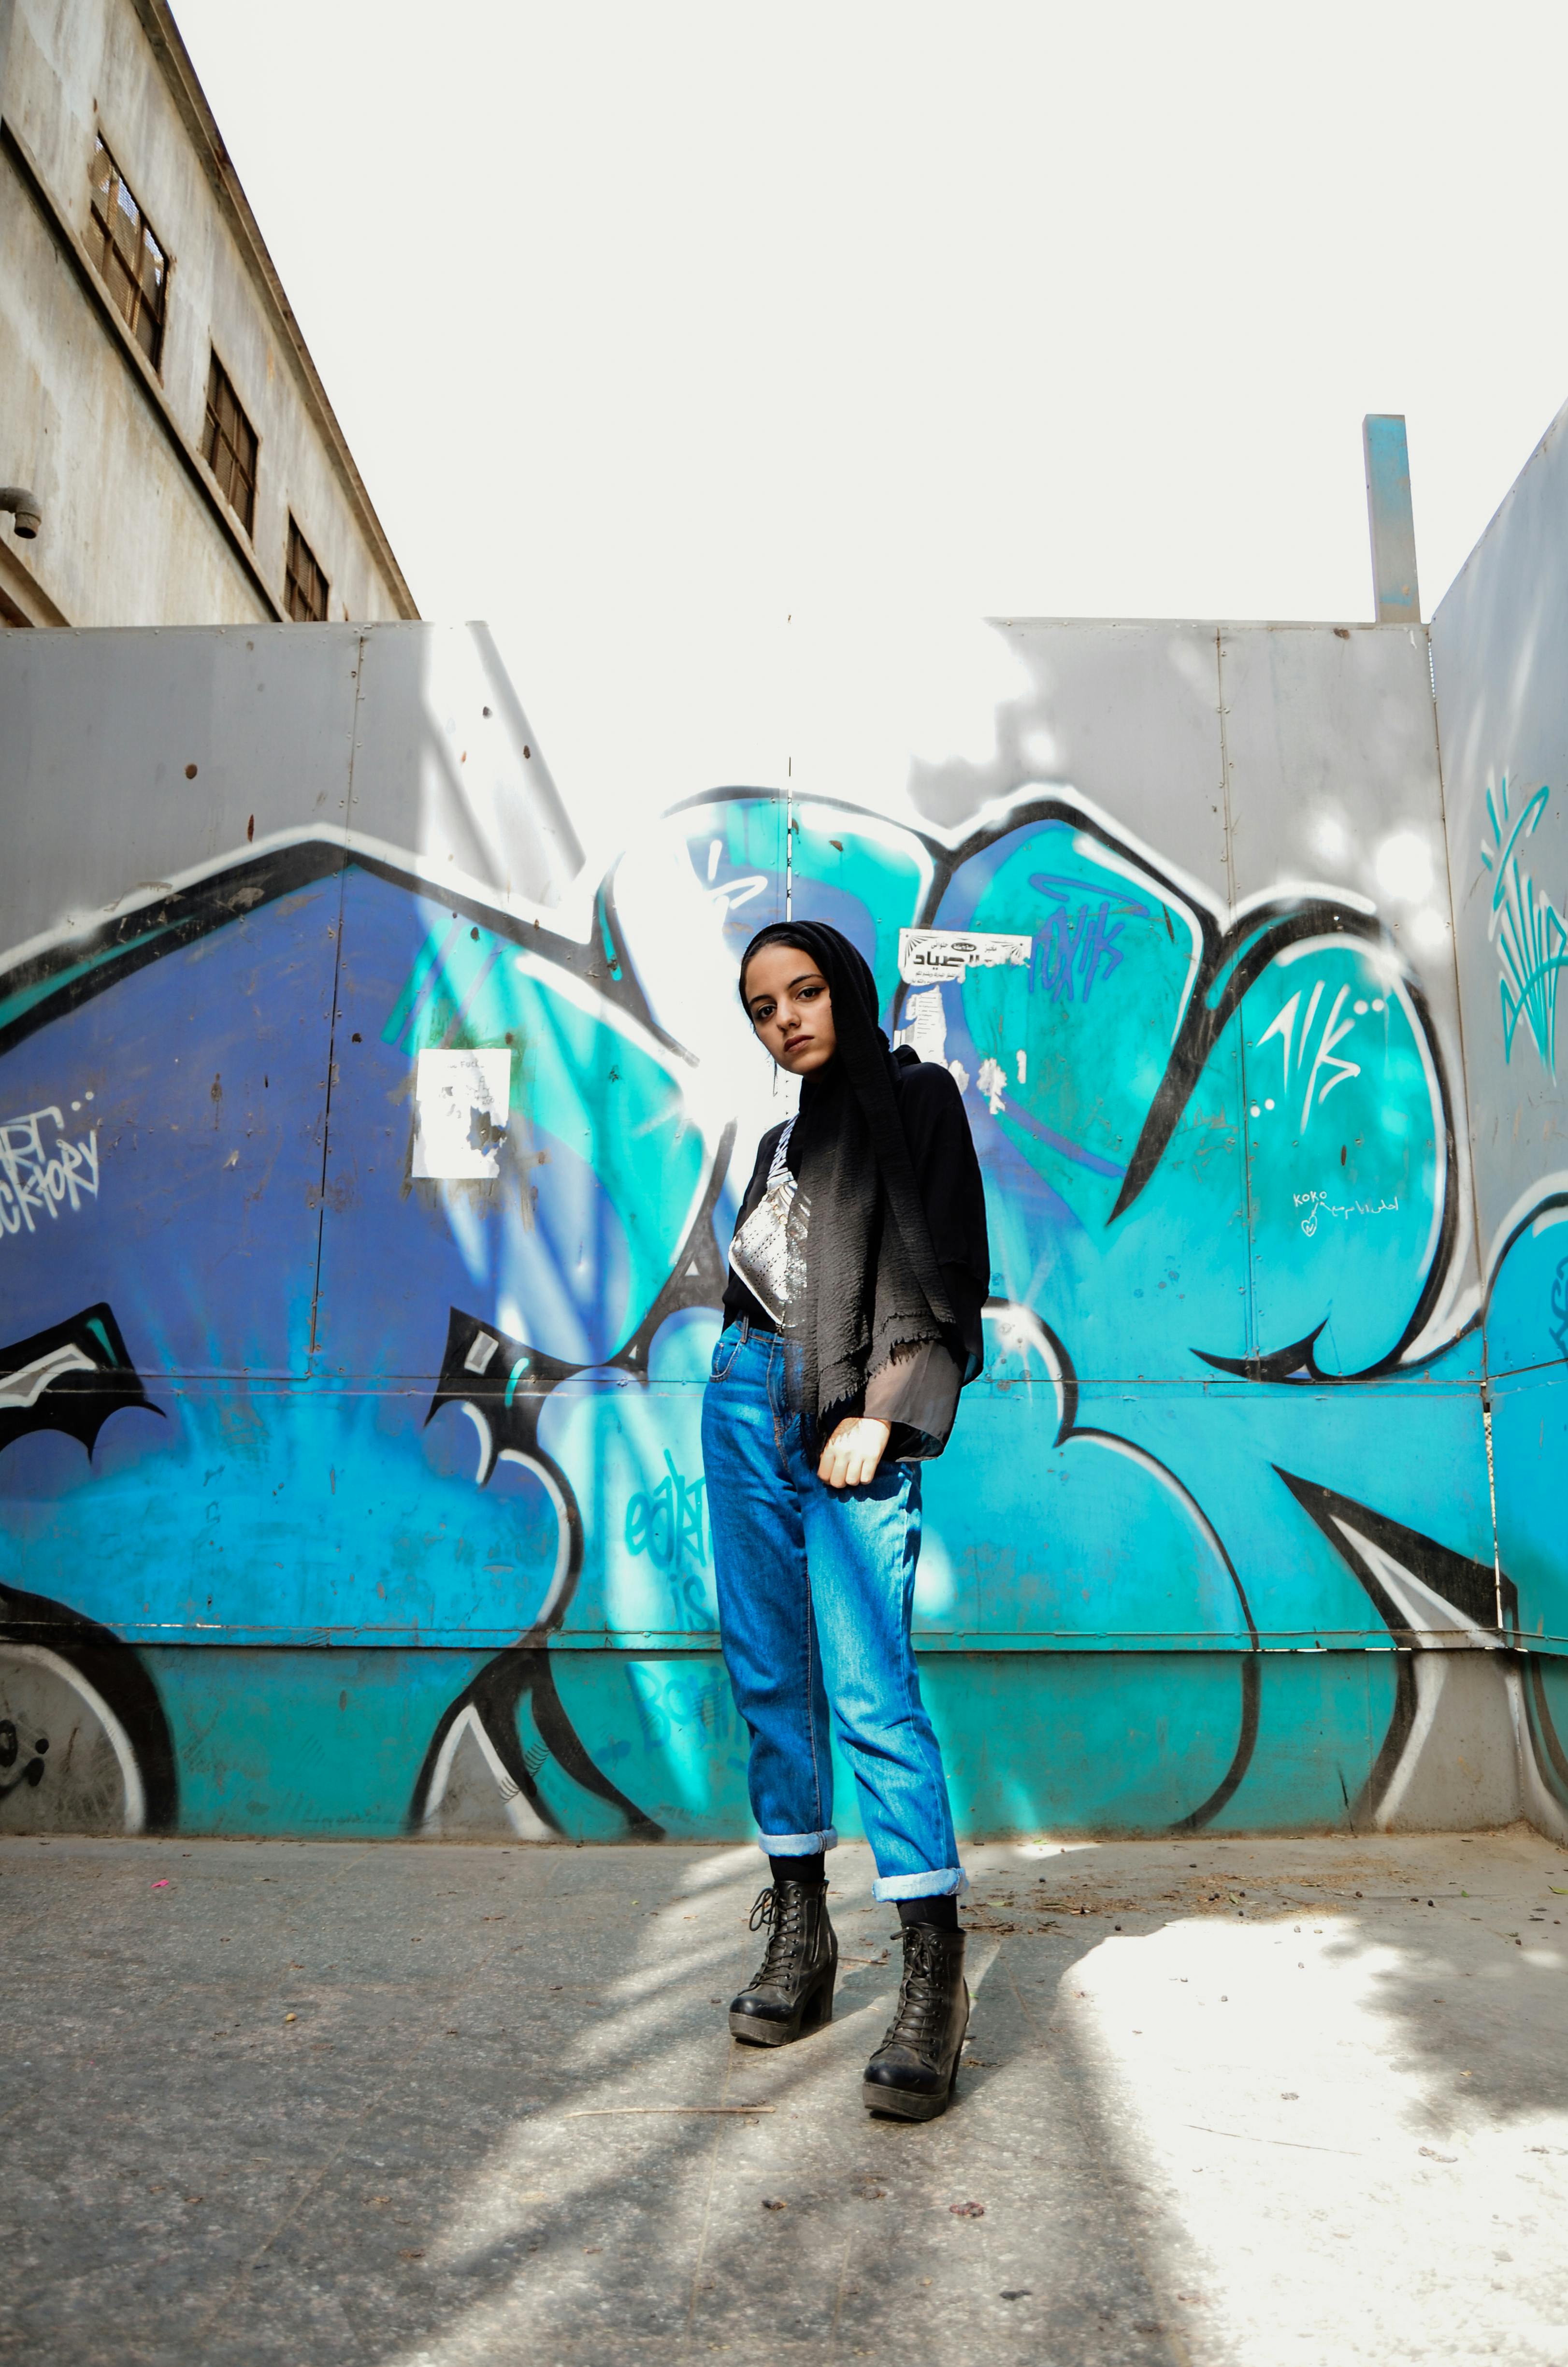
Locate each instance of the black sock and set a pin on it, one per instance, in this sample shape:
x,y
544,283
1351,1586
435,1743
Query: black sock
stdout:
x,y
799,1869
942,1912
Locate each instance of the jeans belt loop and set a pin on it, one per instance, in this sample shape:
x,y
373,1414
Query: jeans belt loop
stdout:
x,y
746,1329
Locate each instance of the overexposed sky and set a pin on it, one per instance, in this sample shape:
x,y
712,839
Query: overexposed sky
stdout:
x,y
653,326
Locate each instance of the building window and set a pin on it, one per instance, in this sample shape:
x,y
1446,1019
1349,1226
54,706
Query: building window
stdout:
x,y
305,587
229,444
129,257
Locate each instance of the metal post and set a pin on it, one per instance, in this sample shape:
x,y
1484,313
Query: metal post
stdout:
x,y
1396,593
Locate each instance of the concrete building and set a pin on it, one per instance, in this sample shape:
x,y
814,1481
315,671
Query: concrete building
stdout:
x,y
156,397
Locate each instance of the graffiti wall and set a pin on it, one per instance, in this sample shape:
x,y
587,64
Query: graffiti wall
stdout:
x,y
367,1162
1502,695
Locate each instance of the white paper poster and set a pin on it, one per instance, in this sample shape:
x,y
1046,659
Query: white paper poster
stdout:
x,y
931,956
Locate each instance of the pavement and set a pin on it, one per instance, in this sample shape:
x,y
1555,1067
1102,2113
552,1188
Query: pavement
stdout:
x,y
432,2104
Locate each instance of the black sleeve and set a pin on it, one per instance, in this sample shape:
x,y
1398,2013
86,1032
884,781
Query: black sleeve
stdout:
x,y
941,1148
918,1395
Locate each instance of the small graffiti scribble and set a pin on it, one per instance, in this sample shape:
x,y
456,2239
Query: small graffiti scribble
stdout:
x,y
1531,935
38,1178
1318,1203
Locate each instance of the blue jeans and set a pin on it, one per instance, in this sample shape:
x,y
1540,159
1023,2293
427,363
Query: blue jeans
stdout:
x,y
817,1586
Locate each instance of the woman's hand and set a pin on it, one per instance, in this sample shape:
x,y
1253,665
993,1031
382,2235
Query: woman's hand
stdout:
x,y
851,1456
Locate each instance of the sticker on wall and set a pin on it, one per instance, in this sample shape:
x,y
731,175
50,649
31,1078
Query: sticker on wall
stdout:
x,y
929,956
461,1103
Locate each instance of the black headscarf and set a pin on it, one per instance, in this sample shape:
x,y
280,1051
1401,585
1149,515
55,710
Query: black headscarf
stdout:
x,y
874,1285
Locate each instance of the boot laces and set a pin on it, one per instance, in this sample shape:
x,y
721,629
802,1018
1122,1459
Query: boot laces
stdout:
x,y
921,2001
780,1910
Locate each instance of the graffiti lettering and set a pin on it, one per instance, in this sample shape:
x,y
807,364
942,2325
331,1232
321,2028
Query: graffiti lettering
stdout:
x,y
38,1178
669,1521
1530,934
669,1525
1325,1058
1560,1308
1084,944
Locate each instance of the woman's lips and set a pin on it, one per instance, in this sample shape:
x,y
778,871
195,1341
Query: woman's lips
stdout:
x,y
798,1044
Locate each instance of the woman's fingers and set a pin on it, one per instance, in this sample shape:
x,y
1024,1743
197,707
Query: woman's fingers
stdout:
x,y
834,1464
851,1456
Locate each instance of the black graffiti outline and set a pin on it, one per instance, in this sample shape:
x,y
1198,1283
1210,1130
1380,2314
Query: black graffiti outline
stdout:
x,y
74,970
1474,1590
80,1398
117,1673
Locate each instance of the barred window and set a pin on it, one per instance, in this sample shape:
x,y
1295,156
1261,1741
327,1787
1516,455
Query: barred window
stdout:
x,y
229,444
134,263
305,587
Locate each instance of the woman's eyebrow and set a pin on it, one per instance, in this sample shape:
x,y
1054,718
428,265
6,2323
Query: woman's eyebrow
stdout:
x,y
806,977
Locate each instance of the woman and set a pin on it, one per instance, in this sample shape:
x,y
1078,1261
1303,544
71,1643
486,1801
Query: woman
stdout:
x,y
859,1269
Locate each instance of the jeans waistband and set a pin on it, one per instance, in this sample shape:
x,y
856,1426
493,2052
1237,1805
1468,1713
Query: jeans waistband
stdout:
x,y
767,1332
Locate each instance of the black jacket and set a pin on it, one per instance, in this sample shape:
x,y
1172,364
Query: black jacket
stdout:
x,y
916,1393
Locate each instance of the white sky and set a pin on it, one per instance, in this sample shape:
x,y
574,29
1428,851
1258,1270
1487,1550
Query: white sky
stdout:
x,y
653,326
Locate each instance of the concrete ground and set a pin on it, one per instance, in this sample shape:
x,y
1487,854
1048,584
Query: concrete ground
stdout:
x,y
430,2105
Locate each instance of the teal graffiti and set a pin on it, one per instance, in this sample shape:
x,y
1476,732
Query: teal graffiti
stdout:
x,y
1531,935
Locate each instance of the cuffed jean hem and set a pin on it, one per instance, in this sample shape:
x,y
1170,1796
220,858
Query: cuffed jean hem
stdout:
x,y
797,1844
946,1882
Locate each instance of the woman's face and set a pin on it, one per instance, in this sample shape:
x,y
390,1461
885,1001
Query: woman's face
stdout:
x,y
790,1008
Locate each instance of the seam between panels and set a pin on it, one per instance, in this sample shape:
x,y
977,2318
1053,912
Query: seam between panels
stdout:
x,y
337,978
1243,1129
1466,1150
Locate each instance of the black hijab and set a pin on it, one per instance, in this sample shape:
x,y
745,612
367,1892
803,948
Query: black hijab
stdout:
x,y
874,1285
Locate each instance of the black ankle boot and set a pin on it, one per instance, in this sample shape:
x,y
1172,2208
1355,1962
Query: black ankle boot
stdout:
x,y
912,2073
792,1991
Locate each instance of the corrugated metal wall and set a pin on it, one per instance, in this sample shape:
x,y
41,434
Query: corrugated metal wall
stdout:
x,y
364,1176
